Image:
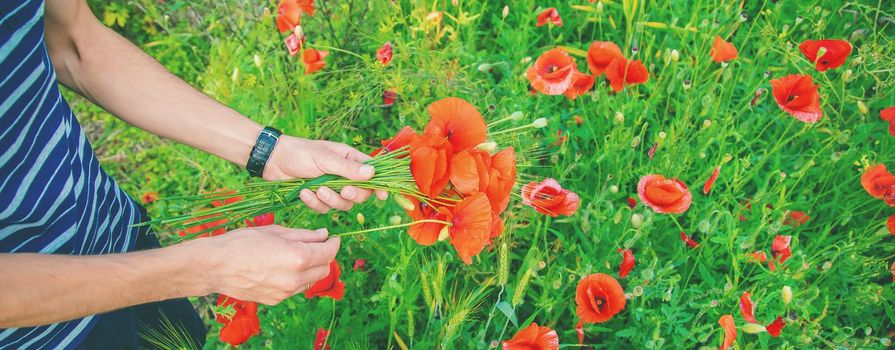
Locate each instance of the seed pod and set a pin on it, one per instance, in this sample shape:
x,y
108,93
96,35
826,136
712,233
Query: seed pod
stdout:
x,y
786,295
752,328
361,219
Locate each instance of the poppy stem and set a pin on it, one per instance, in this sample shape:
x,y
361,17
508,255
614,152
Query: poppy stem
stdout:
x,y
511,129
426,221
673,219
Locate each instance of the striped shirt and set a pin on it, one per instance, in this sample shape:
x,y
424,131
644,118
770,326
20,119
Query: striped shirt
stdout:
x,y
54,197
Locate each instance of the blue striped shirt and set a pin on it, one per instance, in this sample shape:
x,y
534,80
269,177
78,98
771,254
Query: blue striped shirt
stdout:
x,y
54,197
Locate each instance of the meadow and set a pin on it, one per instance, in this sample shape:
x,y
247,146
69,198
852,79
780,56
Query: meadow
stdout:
x,y
779,176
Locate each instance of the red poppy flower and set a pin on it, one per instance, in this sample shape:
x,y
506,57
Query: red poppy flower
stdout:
x,y
430,160
622,72
599,298
313,60
550,15
722,51
578,120
403,138
796,218
780,248
458,121
879,183
797,95
836,51
293,43
330,286
707,187
549,198
627,263
689,241
632,203
427,233
288,15
149,197
747,308
242,325
261,220
552,73
891,224
384,54
194,230
471,226
775,327
581,84
240,308
666,196
470,171
503,178
496,227
320,340
359,264
888,115
533,337
730,331
389,97
225,201
579,330
759,256
600,54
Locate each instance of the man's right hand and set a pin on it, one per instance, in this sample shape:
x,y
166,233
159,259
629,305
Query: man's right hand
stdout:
x,y
265,264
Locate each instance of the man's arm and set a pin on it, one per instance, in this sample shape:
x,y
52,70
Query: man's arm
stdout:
x,y
99,64
265,264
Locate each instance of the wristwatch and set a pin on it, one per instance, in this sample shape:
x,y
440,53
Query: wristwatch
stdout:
x,y
262,150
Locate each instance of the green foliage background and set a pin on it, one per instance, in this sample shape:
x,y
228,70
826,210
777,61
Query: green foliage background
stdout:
x,y
425,298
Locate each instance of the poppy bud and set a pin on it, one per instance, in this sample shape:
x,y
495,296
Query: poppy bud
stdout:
x,y
613,189
799,19
443,234
619,118
635,142
752,328
485,67
539,123
847,75
786,295
675,55
394,220
638,291
488,146
516,116
743,17
361,219
526,60
506,11
636,220
701,155
727,158
858,60
600,7
235,76
257,60
706,123
863,108
704,226
662,135
403,202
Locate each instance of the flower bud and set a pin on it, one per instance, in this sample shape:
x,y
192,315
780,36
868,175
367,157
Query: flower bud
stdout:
x,y
235,76
394,220
600,7
361,219
786,295
257,60
487,146
526,60
619,117
863,108
613,189
506,11
635,142
706,123
752,328
516,116
539,123
662,135
636,220
847,75
675,55
485,67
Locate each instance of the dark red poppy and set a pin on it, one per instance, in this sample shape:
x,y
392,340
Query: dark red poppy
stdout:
x,y
599,297
775,327
632,203
430,160
888,115
359,264
403,138
747,308
689,241
552,73
600,54
242,324
835,52
796,218
294,42
797,95
666,196
581,84
470,171
313,60
879,183
330,286
149,197
759,256
550,15
722,51
261,220
627,264
320,339
385,53
503,178
549,198
471,226
622,72
730,331
427,233
388,98
780,248
707,186
458,121
533,337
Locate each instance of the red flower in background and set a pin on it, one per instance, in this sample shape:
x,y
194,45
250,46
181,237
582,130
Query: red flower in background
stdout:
x,y
502,178
581,84
599,297
549,198
330,286
288,15
320,340
689,241
360,264
836,51
632,203
149,197
622,72
796,218
552,73
427,233
780,248
891,224
722,51
430,159
550,15
496,227
388,98
707,187
471,226
600,54
261,220
797,95
888,115
747,308
242,325
385,53
665,196
216,227
775,327
458,121
730,331
294,42
470,171
533,337
627,264
403,138
313,60
879,183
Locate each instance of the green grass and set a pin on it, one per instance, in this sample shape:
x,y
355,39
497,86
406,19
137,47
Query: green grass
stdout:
x,y
425,298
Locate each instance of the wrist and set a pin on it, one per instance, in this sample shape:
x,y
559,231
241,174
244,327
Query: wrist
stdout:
x,y
196,268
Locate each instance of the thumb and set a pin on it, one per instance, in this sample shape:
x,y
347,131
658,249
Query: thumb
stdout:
x,y
349,169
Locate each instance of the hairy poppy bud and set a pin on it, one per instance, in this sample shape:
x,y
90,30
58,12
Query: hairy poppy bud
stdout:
x,y
394,220
636,220
613,189
752,328
506,11
516,116
485,67
257,60
675,55
786,295
619,117
863,108
361,219
539,123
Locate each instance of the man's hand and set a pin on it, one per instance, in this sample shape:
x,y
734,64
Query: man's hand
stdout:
x,y
265,264
300,158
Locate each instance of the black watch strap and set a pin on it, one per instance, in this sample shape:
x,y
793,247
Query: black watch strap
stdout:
x,y
267,140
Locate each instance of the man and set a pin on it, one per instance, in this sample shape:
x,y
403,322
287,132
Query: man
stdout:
x,y
75,272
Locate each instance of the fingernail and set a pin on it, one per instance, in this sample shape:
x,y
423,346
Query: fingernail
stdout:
x,y
348,193
366,170
323,230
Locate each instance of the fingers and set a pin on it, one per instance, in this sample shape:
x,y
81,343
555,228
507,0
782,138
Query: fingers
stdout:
x,y
381,195
346,151
314,254
299,235
337,164
333,199
312,275
310,199
354,194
